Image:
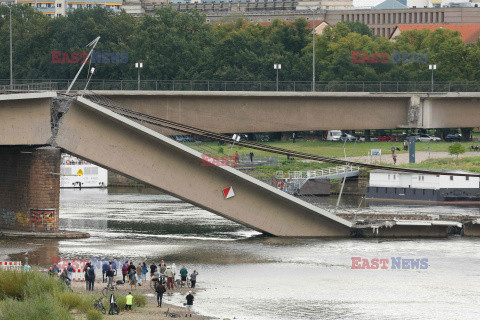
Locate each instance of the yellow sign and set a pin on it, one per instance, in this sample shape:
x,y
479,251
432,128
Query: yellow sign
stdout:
x,y
80,172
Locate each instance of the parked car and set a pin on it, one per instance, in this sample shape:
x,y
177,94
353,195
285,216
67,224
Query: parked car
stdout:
x,y
453,137
427,138
364,138
347,137
333,135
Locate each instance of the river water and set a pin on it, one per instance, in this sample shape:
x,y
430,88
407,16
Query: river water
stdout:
x,y
248,276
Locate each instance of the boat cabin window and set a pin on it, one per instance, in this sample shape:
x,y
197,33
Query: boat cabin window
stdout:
x,y
467,178
451,177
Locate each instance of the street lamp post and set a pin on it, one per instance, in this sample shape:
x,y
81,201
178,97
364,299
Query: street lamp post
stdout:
x,y
11,50
139,65
313,50
277,67
11,47
432,67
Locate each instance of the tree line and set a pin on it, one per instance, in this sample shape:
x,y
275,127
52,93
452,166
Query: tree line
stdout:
x,y
181,46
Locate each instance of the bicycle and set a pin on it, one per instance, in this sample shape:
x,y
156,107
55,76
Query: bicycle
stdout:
x,y
109,288
171,315
67,284
98,305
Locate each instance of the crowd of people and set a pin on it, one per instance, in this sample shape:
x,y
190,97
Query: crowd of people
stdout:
x,y
162,278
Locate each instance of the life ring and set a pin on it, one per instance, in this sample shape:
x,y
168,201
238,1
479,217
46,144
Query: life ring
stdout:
x,y
85,162
67,162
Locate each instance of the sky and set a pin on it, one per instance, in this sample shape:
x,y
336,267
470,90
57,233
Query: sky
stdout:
x,y
369,3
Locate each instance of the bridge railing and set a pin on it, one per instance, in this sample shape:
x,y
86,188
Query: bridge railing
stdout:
x,y
214,85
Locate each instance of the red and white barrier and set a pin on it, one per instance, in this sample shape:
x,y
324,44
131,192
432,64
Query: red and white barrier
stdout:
x,y
11,265
78,275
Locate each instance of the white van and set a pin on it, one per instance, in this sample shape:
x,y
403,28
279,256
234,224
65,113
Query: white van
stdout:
x,y
333,135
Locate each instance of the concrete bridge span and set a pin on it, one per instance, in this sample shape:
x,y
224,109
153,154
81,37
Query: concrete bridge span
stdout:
x,y
228,112
110,140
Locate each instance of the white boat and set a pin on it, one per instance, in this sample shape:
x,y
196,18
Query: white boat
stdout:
x,y
77,173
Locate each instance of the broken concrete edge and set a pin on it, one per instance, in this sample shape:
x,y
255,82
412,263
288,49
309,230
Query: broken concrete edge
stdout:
x,y
62,234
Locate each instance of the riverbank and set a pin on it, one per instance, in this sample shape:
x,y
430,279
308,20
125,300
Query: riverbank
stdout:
x,y
149,311
61,234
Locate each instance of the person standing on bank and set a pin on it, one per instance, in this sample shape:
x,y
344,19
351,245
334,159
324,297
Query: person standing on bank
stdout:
x,y
183,275
193,278
124,270
169,275
189,306
110,276
112,303
128,303
251,157
91,278
160,289
293,137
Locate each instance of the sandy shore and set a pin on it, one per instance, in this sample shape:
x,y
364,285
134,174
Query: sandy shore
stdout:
x,y
150,311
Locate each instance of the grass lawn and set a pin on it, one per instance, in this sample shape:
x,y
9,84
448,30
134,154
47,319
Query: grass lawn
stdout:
x,y
471,164
325,148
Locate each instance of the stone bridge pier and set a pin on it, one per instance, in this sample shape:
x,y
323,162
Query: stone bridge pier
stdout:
x,y
29,188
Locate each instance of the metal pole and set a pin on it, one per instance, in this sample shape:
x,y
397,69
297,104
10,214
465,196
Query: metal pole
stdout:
x,y
11,55
92,44
313,50
432,79
277,79
139,77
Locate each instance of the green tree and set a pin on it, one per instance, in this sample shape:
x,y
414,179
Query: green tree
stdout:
x,y
456,149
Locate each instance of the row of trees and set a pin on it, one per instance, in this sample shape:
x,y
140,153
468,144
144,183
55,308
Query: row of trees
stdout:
x,y
182,46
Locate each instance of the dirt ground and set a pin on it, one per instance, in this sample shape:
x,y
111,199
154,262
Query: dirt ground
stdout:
x,y
150,311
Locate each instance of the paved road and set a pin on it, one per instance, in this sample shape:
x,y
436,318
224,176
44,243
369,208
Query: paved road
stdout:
x,y
420,156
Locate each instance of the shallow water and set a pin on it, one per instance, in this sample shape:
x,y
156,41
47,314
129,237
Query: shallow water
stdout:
x,y
248,276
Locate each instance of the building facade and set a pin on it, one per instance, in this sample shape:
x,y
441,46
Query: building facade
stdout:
x,y
56,8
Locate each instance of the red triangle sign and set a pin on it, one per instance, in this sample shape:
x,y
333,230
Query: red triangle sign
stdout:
x,y
228,192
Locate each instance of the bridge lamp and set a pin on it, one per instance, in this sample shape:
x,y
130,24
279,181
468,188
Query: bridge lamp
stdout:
x,y
432,67
277,67
92,70
138,65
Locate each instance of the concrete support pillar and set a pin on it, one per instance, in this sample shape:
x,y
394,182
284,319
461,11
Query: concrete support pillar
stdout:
x,y
29,188
415,112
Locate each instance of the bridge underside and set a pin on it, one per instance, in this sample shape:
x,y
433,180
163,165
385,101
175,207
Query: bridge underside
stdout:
x,y
121,145
235,112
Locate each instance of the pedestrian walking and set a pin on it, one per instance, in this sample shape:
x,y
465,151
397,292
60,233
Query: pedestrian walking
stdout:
x,y
124,270
160,289
193,278
112,303
394,158
128,303
293,137
169,274
183,275
188,308
91,278
393,150
405,145
251,157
